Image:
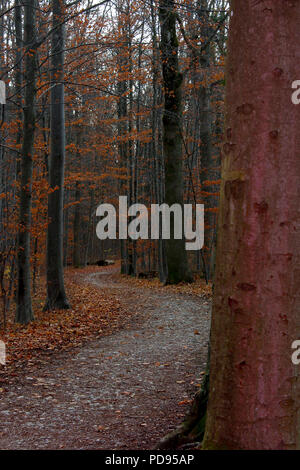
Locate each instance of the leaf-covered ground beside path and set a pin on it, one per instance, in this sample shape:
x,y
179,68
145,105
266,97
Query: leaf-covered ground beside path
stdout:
x,y
93,314
199,288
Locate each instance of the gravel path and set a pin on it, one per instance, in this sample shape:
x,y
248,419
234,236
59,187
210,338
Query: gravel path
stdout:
x,y
125,391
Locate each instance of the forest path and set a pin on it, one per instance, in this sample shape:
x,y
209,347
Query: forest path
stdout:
x,y
124,391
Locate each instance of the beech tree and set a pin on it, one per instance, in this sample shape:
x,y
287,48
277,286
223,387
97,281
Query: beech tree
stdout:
x,y
254,386
56,296
177,263
24,312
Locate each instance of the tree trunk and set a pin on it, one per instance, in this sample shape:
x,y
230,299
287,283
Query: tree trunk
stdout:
x,y
254,391
156,147
18,74
124,87
66,229
24,312
208,165
56,296
178,269
77,262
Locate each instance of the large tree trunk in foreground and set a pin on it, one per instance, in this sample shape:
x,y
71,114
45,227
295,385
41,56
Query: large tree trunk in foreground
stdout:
x,y
56,296
24,312
254,387
177,262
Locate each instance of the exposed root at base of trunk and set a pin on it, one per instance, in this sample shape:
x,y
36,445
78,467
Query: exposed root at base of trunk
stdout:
x,y
193,427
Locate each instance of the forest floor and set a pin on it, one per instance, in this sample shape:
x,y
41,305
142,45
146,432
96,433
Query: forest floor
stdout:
x,y
124,390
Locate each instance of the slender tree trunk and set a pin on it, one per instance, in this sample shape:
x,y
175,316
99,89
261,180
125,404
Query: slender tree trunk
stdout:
x,y
56,296
131,244
3,246
209,166
66,229
122,88
90,226
254,386
24,312
18,74
156,143
178,269
76,229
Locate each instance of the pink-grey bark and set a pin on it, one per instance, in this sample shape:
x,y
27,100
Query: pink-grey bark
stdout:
x,y
254,392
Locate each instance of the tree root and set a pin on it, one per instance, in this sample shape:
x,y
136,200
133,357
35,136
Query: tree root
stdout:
x,y
193,427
